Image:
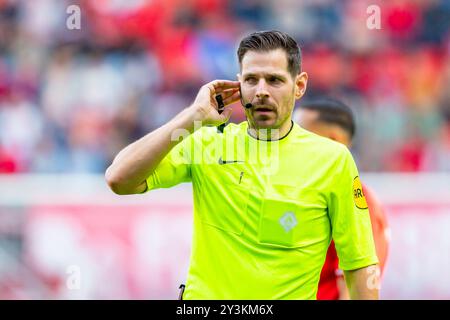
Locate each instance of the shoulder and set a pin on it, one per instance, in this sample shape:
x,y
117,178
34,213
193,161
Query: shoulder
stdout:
x,y
320,147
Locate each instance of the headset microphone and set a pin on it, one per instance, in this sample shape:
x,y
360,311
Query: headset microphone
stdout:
x,y
221,107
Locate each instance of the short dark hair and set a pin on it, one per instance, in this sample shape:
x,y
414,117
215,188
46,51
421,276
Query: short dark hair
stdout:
x,y
272,40
333,111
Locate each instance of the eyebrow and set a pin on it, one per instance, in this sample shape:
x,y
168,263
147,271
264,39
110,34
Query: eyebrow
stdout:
x,y
276,75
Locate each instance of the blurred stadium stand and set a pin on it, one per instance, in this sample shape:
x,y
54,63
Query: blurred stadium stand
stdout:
x,y
84,94
70,99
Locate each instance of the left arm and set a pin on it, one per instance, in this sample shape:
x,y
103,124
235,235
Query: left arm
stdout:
x,y
363,284
352,232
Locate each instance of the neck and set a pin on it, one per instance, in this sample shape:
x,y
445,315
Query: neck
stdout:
x,y
270,134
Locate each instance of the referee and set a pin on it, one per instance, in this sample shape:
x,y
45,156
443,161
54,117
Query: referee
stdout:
x,y
269,196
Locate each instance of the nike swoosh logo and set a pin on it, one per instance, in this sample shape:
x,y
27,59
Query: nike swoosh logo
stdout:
x,y
227,162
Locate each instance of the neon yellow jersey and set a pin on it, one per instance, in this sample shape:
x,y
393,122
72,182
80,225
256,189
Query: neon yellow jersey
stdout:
x,y
265,212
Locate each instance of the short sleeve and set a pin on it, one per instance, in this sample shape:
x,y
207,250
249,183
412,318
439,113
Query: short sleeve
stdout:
x,y
175,168
350,219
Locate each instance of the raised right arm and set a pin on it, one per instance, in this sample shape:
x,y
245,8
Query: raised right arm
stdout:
x,y
130,168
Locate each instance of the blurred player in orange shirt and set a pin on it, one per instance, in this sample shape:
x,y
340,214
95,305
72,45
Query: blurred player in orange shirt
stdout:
x,y
333,119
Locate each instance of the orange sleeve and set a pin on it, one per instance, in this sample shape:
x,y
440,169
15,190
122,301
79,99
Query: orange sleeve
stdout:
x,y
380,227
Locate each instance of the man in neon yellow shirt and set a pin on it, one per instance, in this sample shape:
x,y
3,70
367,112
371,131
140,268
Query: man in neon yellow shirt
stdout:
x,y
268,195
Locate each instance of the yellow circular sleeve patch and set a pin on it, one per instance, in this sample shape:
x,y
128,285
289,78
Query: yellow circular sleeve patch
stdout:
x,y
358,194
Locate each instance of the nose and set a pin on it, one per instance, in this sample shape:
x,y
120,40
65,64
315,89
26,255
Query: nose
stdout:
x,y
261,91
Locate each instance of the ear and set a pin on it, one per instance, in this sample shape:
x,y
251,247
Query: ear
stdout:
x,y
301,81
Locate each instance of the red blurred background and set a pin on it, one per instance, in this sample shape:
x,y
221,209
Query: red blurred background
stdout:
x,y
71,99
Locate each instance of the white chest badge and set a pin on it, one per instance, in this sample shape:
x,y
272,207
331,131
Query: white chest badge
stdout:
x,y
288,221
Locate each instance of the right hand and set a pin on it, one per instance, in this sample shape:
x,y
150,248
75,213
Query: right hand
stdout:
x,y
205,105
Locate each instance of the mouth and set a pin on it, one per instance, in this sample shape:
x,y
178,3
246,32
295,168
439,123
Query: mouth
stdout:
x,y
263,109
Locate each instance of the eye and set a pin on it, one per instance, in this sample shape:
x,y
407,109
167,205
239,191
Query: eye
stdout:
x,y
251,80
274,80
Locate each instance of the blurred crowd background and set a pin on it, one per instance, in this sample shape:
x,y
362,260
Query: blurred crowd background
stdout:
x,y
71,99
